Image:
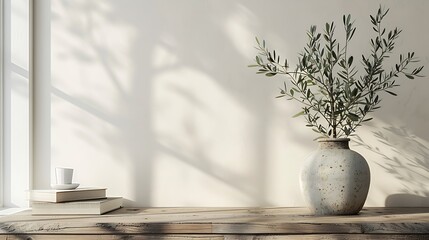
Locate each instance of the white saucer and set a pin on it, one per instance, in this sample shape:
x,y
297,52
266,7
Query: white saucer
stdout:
x,y
64,186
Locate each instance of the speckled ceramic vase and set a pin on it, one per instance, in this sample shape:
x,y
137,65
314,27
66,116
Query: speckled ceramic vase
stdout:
x,y
334,179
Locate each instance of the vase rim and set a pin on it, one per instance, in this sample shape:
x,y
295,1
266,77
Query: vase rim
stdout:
x,y
333,139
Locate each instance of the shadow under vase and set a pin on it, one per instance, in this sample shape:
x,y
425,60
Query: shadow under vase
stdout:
x,y
407,200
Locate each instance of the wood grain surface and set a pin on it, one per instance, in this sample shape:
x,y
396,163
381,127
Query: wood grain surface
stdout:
x,y
221,223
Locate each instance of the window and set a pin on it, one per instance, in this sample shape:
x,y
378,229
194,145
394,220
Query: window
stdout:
x,y
1,103
16,101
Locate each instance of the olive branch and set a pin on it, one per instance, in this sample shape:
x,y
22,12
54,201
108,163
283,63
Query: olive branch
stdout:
x,y
335,100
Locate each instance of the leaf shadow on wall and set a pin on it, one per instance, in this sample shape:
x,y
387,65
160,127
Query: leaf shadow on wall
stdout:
x,y
405,157
136,128
199,57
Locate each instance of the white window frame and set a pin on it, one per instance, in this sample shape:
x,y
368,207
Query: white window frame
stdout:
x,y
1,103
16,168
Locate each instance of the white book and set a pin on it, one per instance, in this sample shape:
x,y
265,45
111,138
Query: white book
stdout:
x,y
56,196
93,207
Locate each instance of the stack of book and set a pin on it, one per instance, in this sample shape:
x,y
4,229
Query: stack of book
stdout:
x,y
76,201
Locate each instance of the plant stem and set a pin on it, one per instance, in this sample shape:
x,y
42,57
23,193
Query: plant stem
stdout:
x,y
331,85
333,117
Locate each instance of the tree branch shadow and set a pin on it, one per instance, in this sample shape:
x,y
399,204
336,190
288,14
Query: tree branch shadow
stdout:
x,y
406,157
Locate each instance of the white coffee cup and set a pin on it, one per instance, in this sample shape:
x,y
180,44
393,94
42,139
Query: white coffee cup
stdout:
x,y
64,175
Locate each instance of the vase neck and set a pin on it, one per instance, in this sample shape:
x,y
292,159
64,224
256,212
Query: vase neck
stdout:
x,y
334,143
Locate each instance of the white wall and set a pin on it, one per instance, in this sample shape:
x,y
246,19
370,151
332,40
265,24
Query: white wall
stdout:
x,y
153,100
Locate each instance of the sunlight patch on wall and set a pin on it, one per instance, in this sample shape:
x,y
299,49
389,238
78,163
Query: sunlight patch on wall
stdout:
x,y
98,50
290,142
181,184
92,77
237,29
196,136
163,58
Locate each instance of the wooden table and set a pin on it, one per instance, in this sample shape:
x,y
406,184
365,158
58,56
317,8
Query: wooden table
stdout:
x,y
220,223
